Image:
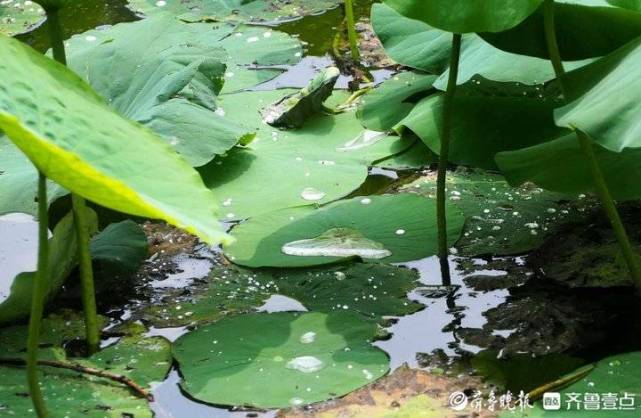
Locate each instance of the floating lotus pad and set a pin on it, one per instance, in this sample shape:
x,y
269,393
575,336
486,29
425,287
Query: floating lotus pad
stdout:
x,y
252,11
325,160
374,290
145,360
501,220
378,228
80,144
303,358
18,16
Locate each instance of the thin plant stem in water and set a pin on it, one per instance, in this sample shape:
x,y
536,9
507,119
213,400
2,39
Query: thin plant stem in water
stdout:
x,y
37,300
351,30
585,142
79,215
446,133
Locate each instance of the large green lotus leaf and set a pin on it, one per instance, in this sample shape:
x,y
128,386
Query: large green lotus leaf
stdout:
x,y
585,29
19,181
559,165
119,249
18,16
466,16
479,58
385,106
488,118
75,139
68,393
373,290
377,228
614,380
167,80
249,11
415,157
301,359
500,219
411,42
19,243
605,105
325,160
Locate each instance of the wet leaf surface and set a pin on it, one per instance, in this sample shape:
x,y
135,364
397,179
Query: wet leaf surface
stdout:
x,y
325,160
501,220
304,358
252,11
18,16
387,229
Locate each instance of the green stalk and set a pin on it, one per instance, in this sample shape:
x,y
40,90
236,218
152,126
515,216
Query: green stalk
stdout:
x,y
351,30
600,185
86,273
446,132
79,215
37,300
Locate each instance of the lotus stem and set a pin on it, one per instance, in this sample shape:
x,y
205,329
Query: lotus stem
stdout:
x,y
37,300
79,214
585,142
86,273
446,133
351,30
564,381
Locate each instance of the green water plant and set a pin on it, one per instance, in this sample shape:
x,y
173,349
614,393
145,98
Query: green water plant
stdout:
x,y
92,151
351,30
581,117
459,17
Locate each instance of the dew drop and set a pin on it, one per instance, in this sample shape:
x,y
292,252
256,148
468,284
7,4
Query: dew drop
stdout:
x,y
400,232
308,337
311,194
305,364
366,201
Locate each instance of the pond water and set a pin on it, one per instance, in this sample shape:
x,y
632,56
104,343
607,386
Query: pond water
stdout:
x,y
453,315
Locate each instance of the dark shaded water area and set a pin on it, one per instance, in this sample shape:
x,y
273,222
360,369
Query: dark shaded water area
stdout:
x,y
500,317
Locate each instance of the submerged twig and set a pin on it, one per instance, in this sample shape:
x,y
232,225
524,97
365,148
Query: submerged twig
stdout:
x,y
131,384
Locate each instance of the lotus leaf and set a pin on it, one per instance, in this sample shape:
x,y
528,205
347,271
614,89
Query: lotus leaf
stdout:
x,y
250,11
145,360
86,147
18,16
304,358
501,220
377,228
585,29
466,16
325,160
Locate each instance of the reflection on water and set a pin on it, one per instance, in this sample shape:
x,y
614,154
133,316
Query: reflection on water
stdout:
x,y
447,309
18,248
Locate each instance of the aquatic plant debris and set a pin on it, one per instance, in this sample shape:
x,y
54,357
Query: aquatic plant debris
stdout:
x,y
235,362
294,109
